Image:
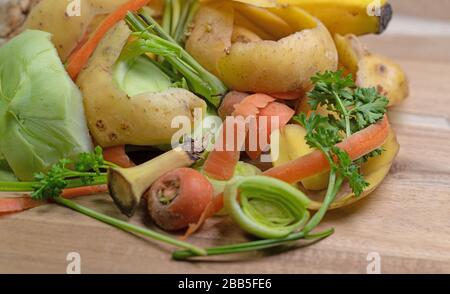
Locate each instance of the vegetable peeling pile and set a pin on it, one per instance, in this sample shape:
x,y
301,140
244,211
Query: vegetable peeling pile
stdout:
x,y
268,113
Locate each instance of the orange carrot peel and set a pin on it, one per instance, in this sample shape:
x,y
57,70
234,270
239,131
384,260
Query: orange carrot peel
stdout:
x,y
16,204
221,162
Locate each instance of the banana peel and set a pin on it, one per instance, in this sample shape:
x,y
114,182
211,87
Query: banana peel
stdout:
x,y
374,171
372,70
357,17
266,20
242,21
346,197
291,145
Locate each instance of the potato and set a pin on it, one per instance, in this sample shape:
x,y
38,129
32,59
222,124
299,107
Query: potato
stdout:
x,y
372,70
243,35
67,31
211,35
113,117
385,75
261,66
391,148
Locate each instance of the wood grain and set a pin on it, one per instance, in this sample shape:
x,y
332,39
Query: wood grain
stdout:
x,y
422,8
406,220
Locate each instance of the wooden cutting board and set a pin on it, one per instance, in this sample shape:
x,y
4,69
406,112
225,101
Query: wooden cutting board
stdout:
x,y
406,222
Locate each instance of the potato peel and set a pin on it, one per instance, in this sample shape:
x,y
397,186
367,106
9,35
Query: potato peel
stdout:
x,y
264,66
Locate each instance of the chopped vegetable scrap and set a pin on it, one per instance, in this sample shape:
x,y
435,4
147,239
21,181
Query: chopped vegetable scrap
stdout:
x,y
267,113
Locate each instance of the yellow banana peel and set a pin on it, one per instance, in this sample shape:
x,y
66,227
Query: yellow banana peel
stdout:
x,y
266,20
293,145
346,197
357,17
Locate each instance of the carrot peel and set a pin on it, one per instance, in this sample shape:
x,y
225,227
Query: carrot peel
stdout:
x,y
10,205
80,57
221,162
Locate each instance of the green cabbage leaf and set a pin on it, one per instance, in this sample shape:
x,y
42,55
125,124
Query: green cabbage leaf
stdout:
x,y
41,110
6,174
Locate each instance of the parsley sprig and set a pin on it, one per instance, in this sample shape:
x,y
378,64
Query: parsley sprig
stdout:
x,y
354,108
89,169
323,135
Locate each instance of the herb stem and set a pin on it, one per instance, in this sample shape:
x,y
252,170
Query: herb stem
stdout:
x,y
201,80
167,16
16,186
128,227
30,186
334,185
252,246
345,113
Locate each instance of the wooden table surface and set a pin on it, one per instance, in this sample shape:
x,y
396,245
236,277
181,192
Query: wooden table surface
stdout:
x,y
406,221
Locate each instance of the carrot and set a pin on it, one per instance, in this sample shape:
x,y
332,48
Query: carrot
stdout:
x,y
84,191
229,101
314,163
357,145
220,165
178,198
211,209
16,204
283,112
252,104
221,162
79,58
118,156
288,95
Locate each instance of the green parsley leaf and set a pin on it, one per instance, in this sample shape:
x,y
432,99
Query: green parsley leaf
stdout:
x,y
354,108
52,183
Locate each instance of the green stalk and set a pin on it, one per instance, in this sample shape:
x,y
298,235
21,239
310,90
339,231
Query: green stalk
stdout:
x,y
29,186
164,69
176,12
170,52
188,13
128,227
192,12
334,185
215,90
167,16
179,30
16,186
252,246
